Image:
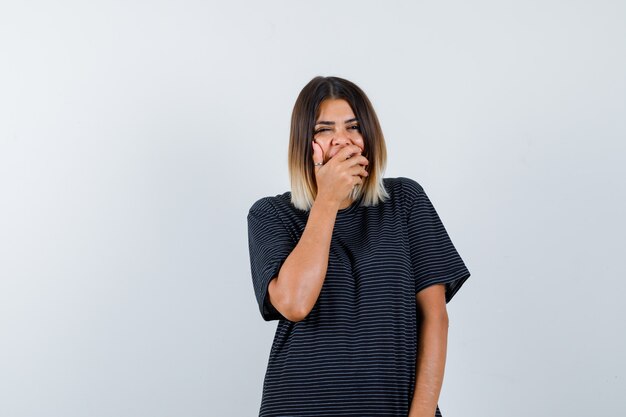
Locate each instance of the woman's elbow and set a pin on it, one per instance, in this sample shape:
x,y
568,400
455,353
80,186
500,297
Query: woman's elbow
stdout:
x,y
286,305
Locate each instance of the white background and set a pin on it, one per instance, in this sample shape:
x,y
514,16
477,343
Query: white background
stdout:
x,y
134,137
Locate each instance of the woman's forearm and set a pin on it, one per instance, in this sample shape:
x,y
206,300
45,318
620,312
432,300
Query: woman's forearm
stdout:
x,y
430,365
296,289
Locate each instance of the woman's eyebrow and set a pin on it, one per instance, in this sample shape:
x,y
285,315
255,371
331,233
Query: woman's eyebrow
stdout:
x,y
324,122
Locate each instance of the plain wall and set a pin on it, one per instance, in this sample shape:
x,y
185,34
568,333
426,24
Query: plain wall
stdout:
x,y
134,137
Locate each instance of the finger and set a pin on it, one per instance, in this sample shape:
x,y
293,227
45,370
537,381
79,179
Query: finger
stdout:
x,y
359,170
357,160
318,155
361,160
347,151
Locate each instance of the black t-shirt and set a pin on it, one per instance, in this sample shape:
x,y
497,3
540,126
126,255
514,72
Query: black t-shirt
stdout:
x,y
355,353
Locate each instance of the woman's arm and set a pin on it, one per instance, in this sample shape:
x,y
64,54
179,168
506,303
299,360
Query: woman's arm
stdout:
x,y
297,287
431,351
299,282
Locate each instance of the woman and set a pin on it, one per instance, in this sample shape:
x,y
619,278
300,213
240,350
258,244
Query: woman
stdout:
x,y
357,268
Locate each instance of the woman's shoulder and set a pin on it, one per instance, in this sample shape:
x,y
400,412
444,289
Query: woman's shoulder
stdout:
x,y
406,187
275,204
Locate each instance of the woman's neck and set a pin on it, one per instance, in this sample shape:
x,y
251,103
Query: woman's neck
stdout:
x,y
345,203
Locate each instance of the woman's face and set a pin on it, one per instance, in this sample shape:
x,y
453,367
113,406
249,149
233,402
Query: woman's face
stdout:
x,y
337,127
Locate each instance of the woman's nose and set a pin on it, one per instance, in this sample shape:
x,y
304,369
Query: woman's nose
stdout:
x,y
341,137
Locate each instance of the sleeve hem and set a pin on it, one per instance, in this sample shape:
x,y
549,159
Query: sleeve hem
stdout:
x,y
268,311
453,282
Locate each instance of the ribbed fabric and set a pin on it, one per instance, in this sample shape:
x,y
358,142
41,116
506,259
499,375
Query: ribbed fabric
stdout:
x,y
355,353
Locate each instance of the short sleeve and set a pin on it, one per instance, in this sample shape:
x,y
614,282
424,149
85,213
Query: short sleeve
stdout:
x,y
270,243
434,258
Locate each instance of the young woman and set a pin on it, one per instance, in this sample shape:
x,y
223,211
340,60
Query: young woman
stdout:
x,y
356,268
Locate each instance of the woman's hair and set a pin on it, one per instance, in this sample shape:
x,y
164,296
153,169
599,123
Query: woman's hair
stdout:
x,y
300,158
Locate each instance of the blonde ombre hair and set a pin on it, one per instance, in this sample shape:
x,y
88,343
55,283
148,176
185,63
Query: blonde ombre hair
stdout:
x,y
300,158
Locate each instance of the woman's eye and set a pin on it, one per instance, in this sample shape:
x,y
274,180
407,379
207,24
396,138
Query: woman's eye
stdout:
x,y
321,130
355,127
